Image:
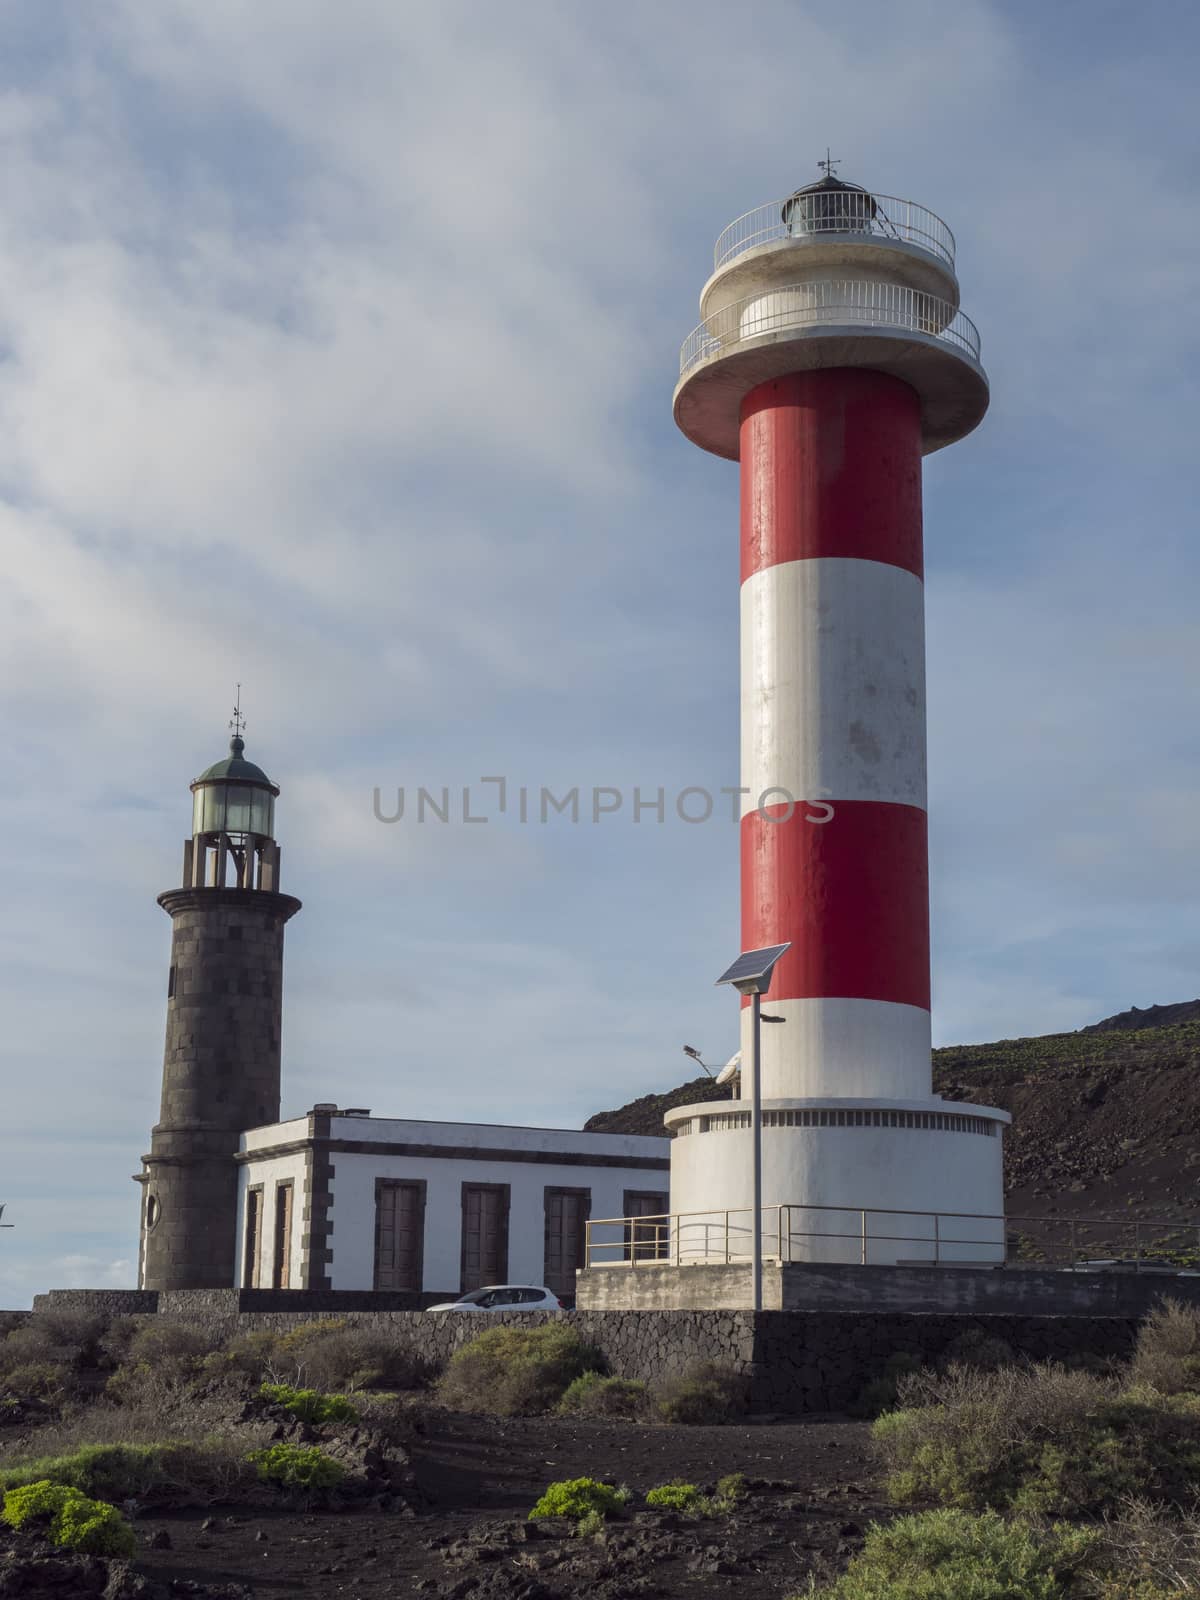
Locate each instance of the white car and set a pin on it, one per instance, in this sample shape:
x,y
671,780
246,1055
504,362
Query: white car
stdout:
x,y
503,1297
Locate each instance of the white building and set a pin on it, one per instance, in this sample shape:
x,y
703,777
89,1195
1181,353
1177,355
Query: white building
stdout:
x,y
339,1199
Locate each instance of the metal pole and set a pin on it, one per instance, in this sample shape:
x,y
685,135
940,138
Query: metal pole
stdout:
x,y
756,1139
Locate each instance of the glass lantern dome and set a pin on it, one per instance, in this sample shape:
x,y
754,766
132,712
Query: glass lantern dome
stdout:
x,y
830,206
234,796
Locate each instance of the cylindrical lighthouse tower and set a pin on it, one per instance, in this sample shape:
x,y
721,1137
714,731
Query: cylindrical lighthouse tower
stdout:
x,y
221,1064
831,356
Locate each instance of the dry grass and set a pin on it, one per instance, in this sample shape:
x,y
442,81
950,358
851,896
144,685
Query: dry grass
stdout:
x,y
177,1416
199,1452
1009,1401
44,1355
1039,1440
706,1392
1167,1355
1141,1546
333,1356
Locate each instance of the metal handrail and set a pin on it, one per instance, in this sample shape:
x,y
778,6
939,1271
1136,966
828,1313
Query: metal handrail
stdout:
x,y
835,302
669,1236
879,216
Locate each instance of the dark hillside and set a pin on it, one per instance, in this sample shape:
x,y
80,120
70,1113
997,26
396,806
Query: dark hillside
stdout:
x,y
645,1115
1151,1017
1106,1122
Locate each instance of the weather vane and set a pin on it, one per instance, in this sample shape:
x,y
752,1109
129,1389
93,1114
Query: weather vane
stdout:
x,y
829,163
237,722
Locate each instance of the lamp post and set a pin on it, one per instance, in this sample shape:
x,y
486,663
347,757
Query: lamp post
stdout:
x,y
751,975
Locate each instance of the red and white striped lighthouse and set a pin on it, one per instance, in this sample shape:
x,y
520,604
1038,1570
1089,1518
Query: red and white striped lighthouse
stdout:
x,y
831,356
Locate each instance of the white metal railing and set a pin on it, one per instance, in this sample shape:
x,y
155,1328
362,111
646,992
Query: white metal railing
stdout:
x,y
837,302
845,211
792,1233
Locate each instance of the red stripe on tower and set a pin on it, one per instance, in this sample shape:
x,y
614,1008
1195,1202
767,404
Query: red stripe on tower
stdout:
x,y
831,466
851,894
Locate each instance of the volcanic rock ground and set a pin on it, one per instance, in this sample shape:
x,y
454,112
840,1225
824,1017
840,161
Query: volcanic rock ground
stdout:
x,y
815,1493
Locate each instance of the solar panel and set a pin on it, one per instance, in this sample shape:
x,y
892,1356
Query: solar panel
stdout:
x,y
751,972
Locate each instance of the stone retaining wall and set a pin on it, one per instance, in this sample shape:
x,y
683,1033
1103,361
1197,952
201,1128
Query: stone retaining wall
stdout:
x,y
796,1286
797,1361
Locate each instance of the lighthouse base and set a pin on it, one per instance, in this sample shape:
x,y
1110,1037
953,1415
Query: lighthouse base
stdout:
x,y
868,1182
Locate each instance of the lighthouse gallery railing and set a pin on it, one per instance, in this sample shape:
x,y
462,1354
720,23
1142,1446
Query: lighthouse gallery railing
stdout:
x,y
881,216
829,303
789,1232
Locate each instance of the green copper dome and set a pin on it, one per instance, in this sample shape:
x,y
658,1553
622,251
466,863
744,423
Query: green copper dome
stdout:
x,y
235,766
234,796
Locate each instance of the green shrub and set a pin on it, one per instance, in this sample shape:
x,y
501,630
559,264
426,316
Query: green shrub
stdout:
x,y
578,1498
175,1471
333,1355
675,1496
44,1354
65,1338
42,1380
1167,1354
1040,1440
251,1356
704,1393
296,1338
732,1488
75,1522
950,1555
109,1471
593,1395
514,1371
295,1466
92,1526
689,1498
1114,1587
159,1355
306,1405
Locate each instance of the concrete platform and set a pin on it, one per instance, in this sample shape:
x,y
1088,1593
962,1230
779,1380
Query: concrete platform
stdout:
x,y
1006,1291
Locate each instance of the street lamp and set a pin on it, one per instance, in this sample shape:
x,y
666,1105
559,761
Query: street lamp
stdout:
x,y
690,1050
751,974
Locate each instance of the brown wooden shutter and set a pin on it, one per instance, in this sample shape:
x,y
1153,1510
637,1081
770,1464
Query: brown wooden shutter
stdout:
x,y
282,1275
399,1234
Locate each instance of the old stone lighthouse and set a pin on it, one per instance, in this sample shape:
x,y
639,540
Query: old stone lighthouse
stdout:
x,y
334,1198
221,1064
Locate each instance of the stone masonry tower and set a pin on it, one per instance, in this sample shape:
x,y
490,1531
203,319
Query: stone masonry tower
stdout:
x,y
224,1002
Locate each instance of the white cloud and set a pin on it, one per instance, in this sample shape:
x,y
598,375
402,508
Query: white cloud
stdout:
x,y
337,351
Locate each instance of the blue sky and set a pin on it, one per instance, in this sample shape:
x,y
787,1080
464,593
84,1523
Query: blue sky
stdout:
x,y
336,354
